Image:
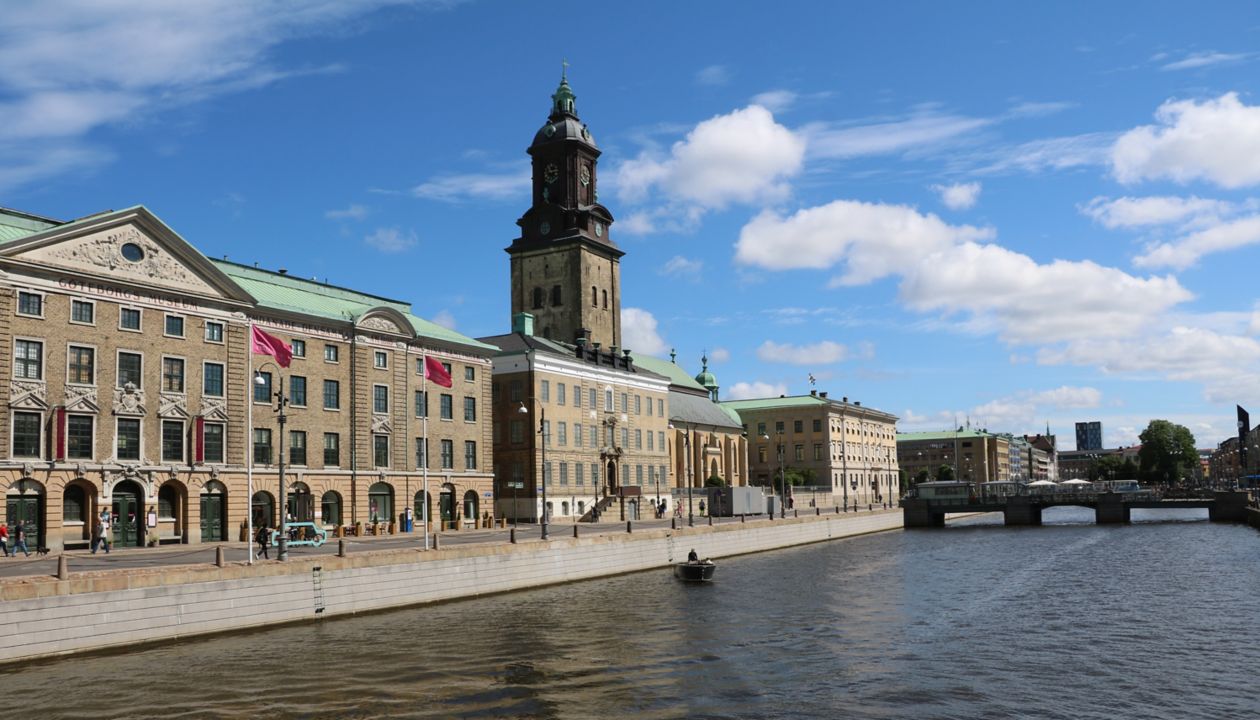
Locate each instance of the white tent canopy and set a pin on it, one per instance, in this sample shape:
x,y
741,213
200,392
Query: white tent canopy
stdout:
x,y
1042,483
1077,481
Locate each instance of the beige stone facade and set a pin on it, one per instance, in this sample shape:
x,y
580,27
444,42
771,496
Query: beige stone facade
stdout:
x,y
972,455
127,358
849,449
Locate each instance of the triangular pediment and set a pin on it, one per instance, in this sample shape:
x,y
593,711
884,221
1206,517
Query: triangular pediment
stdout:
x,y
130,246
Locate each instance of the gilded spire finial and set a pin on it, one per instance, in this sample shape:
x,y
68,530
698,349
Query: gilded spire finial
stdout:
x,y
564,69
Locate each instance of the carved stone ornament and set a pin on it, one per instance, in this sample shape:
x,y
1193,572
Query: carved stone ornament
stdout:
x,y
376,322
129,400
173,405
28,394
105,251
214,408
80,469
28,469
172,473
381,424
214,472
82,399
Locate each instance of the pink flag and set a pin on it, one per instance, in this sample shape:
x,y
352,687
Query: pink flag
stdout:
x,y
437,374
265,344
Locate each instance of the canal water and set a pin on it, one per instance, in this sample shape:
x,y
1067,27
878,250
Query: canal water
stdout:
x,y
1070,620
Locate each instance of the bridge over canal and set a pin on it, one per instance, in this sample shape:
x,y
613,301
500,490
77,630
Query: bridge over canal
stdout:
x,y
1025,509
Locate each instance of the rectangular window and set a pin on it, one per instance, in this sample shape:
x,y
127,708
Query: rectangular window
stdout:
x,y
562,437
579,474
608,400
544,391
798,452
172,375
577,396
649,407
82,367
447,368
470,374
297,390
172,441
761,455
175,326
129,319
330,353
380,450
128,439
778,427
30,303
332,450
447,407
214,332
546,433
516,432
650,438
560,392
818,451
380,399
625,437
470,455
590,396
564,473
515,391
422,404
212,379
28,359
262,390
547,474
818,426
380,360
625,402
638,404
798,426
761,429
332,395
448,454
212,442
660,439
638,475
299,348
638,439
82,312
79,436
577,433
297,447
594,473
262,446
26,433
422,452
470,409
660,407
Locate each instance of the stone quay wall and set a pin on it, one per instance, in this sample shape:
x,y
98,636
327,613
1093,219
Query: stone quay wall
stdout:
x,y
45,616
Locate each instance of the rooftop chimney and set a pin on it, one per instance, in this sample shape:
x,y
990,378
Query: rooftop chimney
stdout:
x,y
814,393
283,271
523,323
844,399
822,394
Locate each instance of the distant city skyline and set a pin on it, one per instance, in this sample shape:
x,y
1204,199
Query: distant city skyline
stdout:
x,y
1012,215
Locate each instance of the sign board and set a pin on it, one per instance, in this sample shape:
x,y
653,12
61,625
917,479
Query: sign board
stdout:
x,y
487,494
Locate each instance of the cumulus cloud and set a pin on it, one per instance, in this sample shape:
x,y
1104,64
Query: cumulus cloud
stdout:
x,y
1068,397
391,240
639,333
1132,212
1217,141
679,265
719,355
755,389
1186,251
871,240
354,212
825,352
475,186
742,157
959,196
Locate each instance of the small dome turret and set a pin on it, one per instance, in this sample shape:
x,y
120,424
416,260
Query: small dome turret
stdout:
x,y
707,379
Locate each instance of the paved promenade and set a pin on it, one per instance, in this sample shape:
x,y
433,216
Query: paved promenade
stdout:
x,y
131,557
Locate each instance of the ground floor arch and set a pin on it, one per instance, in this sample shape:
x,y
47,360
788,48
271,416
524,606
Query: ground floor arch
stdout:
x,y
380,502
172,511
263,509
330,508
214,517
127,514
26,505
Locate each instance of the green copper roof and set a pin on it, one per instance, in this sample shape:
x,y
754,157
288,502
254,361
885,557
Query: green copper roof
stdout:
x,y
942,435
706,378
15,224
676,374
780,402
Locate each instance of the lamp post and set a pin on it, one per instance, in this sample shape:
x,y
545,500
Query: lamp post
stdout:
x,y
687,449
282,545
782,477
542,432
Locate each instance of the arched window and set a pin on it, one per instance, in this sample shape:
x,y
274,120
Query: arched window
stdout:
x,y
264,509
74,504
538,298
605,299
556,298
330,508
380,502
594,297
168,500
470,505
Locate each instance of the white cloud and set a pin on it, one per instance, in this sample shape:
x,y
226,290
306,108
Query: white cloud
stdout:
x,y
1204,59
1039,109
755,389
68,68
885,138
959,196
1215,140
354,212
825,352
721,355
1130,212
1186,251
679,265
639,334
713,75
391,240
1068,397
872,240
475,186
1060,153
445,319
741,157
775,100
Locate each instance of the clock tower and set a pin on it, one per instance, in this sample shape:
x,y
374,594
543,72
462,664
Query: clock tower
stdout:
x,y
566,270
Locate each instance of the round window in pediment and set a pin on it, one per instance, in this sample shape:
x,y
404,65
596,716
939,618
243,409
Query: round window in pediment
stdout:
x,y
132,252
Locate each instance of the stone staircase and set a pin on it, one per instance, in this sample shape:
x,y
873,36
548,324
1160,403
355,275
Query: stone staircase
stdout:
x,y
598,509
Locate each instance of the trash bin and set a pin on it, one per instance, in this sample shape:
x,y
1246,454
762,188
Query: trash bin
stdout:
x,y
406,521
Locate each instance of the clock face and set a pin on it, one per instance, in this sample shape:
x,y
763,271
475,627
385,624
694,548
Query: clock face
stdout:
x,y
551,172
599,229
586,175
545,228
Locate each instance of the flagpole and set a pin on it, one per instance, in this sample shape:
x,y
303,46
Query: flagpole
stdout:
x,y
249,454
424,442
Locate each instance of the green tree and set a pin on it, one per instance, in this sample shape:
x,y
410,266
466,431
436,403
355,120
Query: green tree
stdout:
x,y
715,481
1107,468
945,473
1167,454
923,476
799,476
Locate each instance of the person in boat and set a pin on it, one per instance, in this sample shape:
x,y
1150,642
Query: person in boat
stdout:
x,y
692,557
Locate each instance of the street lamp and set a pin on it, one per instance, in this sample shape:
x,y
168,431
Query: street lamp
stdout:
x,y
687,449
782,476
542,431
282,546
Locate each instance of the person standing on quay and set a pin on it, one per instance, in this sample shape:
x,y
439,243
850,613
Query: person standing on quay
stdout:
x,y
19,539
4,538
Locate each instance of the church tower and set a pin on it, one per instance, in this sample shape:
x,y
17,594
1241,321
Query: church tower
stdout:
x,y
566,270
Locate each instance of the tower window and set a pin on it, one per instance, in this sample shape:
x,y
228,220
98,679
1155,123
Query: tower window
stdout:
x,y
605,299
538,298
594,297
556,298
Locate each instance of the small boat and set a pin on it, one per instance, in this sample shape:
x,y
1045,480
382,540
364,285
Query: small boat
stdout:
x,y
699,571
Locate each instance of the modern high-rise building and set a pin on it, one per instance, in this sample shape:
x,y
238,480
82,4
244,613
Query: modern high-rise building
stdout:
x,y
1089,435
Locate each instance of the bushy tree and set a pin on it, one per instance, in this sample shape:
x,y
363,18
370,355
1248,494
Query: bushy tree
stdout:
x,y
1167,453
799,476
945,473
715,481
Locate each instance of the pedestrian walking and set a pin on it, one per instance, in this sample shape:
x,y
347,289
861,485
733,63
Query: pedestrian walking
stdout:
x,y
99,537
264,539
702,508
4,538
19,539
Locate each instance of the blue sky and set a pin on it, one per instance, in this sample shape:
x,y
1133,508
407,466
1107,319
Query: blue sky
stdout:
x,y
1014,214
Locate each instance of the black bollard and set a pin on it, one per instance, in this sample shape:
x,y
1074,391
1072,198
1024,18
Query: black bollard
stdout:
x,y
817,511
796,513
710,521
219,556
575,527
512,536
435,540
629,527
341,547
673,523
